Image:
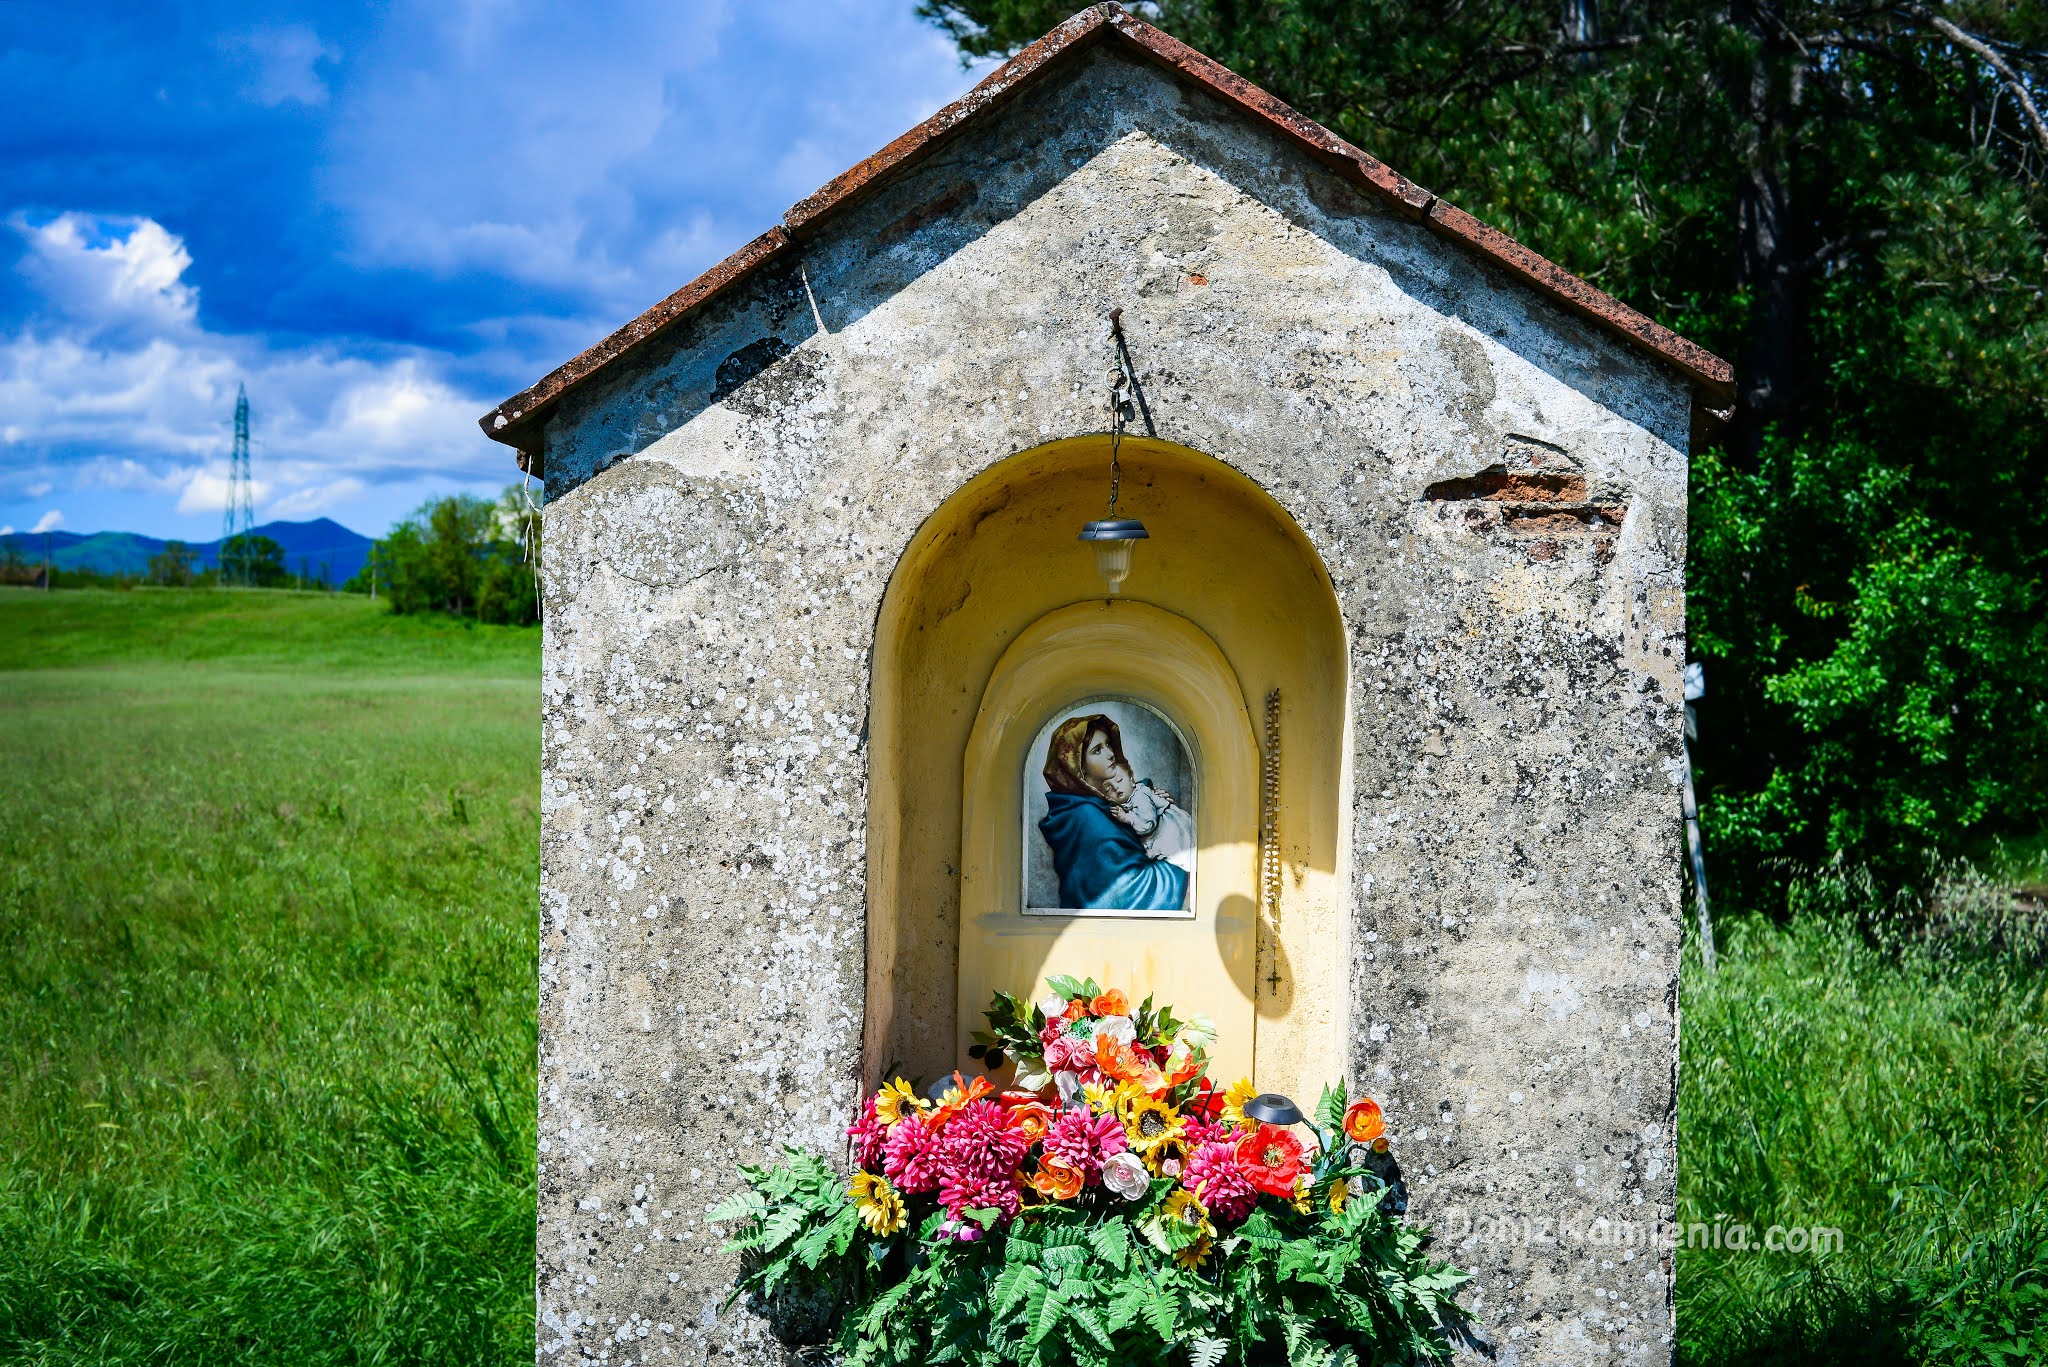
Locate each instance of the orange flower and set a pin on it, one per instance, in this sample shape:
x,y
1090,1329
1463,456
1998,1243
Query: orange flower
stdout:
x,y
1110,1003
1056,1179
1076,1009
957,1099
1128,1063
1032,1120
1271,1160
1364,1122
1186,1069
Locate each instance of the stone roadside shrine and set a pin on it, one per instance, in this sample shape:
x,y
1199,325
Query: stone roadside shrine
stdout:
x,y
1406,632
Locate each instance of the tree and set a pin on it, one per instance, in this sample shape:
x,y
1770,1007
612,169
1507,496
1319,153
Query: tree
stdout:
x,y
463,555
252,561
171,566
1847,200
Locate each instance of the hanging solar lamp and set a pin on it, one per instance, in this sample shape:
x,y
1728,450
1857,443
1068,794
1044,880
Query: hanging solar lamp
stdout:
x,y
1115,537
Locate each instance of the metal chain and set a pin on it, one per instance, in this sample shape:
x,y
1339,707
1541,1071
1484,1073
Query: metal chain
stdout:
x,y
1117,380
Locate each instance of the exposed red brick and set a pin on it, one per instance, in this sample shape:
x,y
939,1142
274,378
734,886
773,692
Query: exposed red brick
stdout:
x,y
1512,487
1552,520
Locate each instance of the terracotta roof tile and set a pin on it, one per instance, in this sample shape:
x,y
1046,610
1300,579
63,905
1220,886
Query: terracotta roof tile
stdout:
x,y
514,420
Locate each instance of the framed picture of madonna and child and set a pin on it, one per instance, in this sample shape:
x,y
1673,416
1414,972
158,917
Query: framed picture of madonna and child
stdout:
x,y
1109,814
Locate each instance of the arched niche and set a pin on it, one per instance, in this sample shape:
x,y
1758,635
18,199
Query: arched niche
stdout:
x,y
1129,657
998,557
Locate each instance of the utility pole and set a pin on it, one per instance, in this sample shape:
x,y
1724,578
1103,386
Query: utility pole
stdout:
x,y
1695,689
240,518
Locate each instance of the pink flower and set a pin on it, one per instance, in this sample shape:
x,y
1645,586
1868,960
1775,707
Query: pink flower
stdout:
x,y
1214,1176
960,1193
1084,1140
869,1136
1070,1052
910,1155
980,1142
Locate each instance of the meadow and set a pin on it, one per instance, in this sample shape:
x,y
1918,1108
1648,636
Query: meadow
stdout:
x,y
1898,1094
267,903
267,900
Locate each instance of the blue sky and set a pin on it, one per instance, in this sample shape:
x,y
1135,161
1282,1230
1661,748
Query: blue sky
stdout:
x,y
382,219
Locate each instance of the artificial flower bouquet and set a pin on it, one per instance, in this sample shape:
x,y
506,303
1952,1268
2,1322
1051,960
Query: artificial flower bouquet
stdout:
x,y
1110,1206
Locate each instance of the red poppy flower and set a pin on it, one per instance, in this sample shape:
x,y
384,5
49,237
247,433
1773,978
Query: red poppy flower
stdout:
x,y
1271,1158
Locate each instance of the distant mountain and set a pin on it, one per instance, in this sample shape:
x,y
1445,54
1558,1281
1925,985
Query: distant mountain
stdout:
x,y
308,548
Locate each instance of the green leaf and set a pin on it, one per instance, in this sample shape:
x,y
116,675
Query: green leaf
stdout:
x,y
1090,1322
1207,1352
1330,1109
1112,1243
1012,1286
1041,1313
779,1226
741,1205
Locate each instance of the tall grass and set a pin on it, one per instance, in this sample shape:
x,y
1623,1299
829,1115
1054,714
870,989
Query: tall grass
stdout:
x,y
1897,1094
266,983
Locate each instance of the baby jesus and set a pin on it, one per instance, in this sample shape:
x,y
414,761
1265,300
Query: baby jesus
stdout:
x,y
1162,826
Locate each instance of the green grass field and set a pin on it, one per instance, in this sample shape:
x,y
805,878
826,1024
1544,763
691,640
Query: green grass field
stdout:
x,y
1901,1098
267,900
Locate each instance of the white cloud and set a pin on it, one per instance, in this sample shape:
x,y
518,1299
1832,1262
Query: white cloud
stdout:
x,y
283,63
114,382
310,502
48,522
207,492
7,530
102,272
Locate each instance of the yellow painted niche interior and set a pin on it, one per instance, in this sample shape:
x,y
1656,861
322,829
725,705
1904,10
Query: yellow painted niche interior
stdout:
x,y
1205,963
997,557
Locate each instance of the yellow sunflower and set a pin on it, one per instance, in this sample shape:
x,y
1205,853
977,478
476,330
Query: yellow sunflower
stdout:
x,y
1172,1150
1234,1098
1195,1254
1185,1210
877,1203
1150,1122
1100,1099
895,1101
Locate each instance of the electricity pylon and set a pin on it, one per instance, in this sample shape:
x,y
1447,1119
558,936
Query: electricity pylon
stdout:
x,y
239,522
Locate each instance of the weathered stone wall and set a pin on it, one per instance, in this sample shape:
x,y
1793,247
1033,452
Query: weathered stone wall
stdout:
x,y
718,539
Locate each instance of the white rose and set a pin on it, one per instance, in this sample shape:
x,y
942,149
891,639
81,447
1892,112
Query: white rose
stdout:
x,y
1125,1175
1053,1006
1069,1086
1118,1028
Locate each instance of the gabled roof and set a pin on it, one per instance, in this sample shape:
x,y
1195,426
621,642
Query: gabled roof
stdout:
x,y
514,421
